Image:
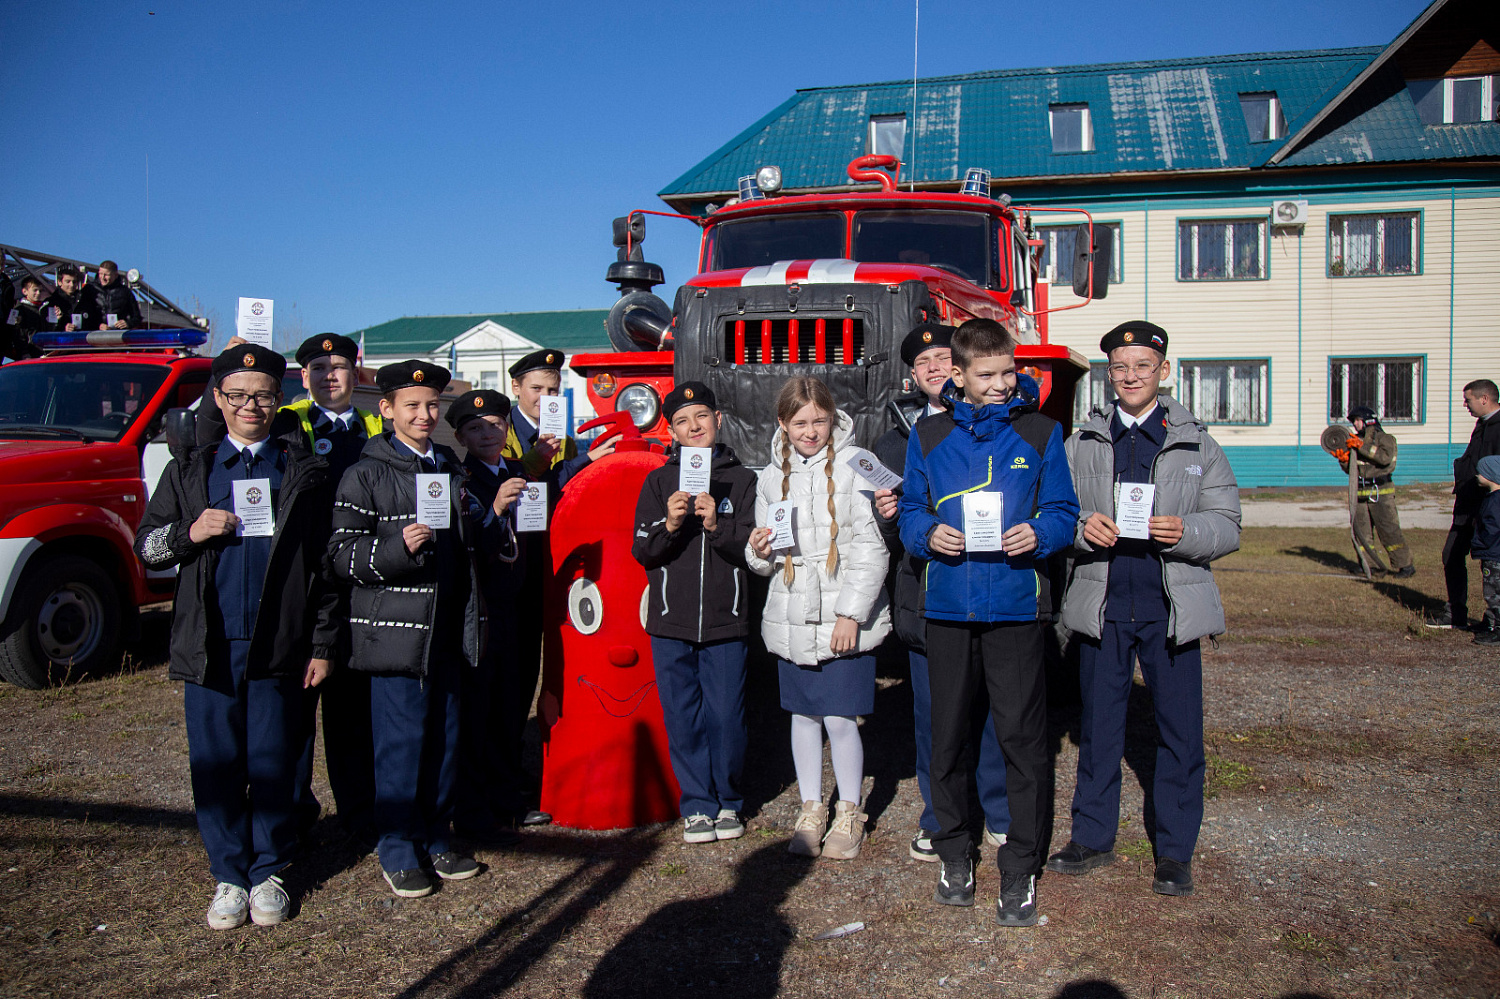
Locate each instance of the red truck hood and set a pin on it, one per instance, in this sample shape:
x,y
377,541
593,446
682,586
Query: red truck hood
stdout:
x,y
23,461
946,284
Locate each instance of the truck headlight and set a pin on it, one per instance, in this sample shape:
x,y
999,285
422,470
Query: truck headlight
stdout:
x,y
641,402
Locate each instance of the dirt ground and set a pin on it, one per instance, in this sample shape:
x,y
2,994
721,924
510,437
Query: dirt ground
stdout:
x,y
1349,846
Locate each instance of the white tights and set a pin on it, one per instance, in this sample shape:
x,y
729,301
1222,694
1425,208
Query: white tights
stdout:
x,y
844,745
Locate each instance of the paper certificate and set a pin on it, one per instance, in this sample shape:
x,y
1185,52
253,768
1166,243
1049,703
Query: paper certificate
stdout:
x,y
869,468
554,417
694,466
54,314
76,320
252,504
984,521
781,517
434,500
253,324
1133,509
111,319
531,508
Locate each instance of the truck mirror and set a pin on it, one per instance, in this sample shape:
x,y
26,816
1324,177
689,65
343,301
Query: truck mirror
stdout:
x,y
630,229
181,430
1093,260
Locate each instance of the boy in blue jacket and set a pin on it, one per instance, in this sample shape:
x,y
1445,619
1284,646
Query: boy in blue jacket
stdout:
x,y
992,457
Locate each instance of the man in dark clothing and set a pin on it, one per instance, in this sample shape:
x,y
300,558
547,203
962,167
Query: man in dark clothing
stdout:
x,y
67,307
115,304
1482,400
493,790
927,352
25,319
254,622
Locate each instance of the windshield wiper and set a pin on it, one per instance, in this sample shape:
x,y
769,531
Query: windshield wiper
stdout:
x,y
31,429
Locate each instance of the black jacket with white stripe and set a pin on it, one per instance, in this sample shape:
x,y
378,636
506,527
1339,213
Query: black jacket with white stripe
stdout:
x,y
398,601
300,607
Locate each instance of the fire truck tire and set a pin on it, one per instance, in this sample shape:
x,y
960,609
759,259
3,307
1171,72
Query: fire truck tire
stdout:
x,y
64,622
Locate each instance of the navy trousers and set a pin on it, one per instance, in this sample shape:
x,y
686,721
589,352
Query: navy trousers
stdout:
x,y
415,725
243,741
347,749
990,774
1174,675
702,690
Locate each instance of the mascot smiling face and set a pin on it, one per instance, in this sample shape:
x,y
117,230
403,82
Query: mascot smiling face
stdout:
x,y
605,763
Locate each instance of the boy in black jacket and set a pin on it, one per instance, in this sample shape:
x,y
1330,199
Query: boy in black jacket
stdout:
x,y
254,622
697,614
416,620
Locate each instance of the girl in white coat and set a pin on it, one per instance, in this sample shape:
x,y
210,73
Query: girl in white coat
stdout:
x,y
826,610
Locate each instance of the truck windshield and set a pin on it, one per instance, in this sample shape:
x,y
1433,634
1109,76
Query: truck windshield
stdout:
x,y
756,242
958,242
96,402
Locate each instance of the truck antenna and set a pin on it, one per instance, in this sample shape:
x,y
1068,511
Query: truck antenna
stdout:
x,y
916,23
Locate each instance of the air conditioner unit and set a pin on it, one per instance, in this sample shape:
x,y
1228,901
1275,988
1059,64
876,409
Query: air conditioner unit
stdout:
x,y
1288,213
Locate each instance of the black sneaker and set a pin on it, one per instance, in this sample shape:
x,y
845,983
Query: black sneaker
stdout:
x,y
1075,858
454,866
955,882
1173,877
1490,637
1017,905
728,825
1442,619
536,817
409,884
1406,573
921,847
698,829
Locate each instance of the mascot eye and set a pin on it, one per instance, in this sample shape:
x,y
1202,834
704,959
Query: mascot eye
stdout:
x,y
585,606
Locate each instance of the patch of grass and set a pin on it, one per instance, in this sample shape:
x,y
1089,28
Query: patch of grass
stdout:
x,y
1136,849
673,870
1225,776
1298,942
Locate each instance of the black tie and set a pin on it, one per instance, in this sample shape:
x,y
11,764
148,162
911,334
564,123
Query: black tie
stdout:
x,y
428,465
248,457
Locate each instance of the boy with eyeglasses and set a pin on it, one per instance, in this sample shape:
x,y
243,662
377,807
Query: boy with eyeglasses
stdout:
x,y
246,520
1144,598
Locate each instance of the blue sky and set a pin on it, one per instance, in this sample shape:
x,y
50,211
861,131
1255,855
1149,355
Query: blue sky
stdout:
x,y
359,162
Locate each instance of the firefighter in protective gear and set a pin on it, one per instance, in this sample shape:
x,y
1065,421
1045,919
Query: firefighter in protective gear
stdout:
x,y
1375,452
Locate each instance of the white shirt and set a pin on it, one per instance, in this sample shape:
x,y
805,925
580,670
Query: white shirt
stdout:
x,y
431,454
1131,421
346,417
255,448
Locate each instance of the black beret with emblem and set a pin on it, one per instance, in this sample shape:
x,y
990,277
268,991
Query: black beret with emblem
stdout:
x,y
1136,333
925,337
248,357
327,343
409,374
687,394
546,359
473,405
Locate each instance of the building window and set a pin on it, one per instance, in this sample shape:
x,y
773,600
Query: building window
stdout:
x,y
1392,386
1226,391
1263,117
1058,245
1093,394
1221,251
489,380
887,135
1459,100
1373,245
1072,131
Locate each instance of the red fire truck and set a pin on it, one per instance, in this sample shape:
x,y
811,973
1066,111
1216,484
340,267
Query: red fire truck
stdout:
x,y
828,284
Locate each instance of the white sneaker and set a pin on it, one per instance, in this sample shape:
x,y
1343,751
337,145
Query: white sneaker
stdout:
x,y
230,907
268,902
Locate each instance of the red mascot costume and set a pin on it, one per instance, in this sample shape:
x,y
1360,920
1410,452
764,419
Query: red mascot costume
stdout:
x,y
605,745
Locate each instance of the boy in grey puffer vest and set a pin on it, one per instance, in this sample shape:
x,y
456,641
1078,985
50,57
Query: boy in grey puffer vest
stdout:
x,y
1147,598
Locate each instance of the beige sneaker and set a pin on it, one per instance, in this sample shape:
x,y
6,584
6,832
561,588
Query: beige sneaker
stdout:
x,y
807,834
847,832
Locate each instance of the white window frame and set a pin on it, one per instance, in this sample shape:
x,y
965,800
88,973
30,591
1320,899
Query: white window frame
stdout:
x,y
1094,391
1088,127
1486,98
1275,122
1265,249
489,380
1338,230
1339,402
877,120
1189,375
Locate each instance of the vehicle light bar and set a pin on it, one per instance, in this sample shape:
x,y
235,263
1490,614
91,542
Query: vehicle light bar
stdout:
x,y
121,338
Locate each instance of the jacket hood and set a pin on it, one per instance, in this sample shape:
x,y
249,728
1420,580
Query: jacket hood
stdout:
x,y
980,418
1180,421
905,410
843,436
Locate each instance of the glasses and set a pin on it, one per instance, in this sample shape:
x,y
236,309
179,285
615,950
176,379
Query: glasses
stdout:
x,y
1121,372
239,400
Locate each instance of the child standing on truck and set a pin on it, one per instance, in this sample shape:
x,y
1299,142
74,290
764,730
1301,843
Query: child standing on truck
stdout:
x,y
826,610
987,498
253,623
693,549
416,620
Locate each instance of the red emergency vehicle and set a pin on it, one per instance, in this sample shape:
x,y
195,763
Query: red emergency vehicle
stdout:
x,y
828,284
83,442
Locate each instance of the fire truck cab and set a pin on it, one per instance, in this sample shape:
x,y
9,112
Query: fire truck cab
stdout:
x,y
83,442
828,284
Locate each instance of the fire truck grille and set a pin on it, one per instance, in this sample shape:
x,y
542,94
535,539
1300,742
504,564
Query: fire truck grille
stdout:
x,y
839,340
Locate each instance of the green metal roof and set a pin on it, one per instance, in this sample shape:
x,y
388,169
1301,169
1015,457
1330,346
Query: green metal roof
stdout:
x,y
566,330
